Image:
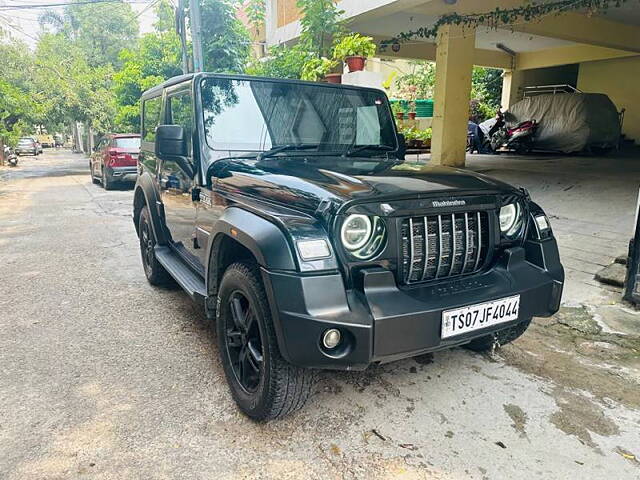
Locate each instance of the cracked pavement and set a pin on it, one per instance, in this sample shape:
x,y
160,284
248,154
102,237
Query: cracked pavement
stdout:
x,y
103,376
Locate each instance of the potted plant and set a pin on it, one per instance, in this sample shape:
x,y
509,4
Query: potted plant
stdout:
x,y
317,68
412,109
398,111
425,137
410,137
409,93
354,49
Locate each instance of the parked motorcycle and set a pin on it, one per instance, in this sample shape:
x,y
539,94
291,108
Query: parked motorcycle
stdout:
x,y
10,156
496,135
519,138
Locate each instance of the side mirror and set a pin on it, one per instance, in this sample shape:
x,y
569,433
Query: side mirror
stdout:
x,y
171,144
402,146
170,141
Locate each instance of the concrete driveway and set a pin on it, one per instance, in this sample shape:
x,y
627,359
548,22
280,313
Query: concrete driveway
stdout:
x,y
103,376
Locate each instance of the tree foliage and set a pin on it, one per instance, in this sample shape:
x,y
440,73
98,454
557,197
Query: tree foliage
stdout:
x,y
90,64
321,25
156,57
225,40
100,30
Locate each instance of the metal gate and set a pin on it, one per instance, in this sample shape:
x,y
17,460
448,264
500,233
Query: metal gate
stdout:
x,y
632,283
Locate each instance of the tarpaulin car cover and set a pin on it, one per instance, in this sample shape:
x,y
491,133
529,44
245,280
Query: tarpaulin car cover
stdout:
x,y
569,122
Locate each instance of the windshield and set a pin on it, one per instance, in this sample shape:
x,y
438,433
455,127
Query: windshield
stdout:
x,y
259,115
25,142
127,142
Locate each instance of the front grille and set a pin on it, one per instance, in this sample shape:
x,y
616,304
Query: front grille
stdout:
x,y
441,246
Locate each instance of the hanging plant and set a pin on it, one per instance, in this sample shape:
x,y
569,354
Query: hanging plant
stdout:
x,y
503,16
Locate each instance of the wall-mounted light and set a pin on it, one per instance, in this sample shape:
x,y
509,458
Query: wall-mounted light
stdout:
x,y
505,49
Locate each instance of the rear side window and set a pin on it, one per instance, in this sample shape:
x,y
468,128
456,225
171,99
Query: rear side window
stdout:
x,y
126,142
181,113
150,118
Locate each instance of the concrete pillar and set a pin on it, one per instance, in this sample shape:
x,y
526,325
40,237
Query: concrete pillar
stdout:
x,y
454,63
512,82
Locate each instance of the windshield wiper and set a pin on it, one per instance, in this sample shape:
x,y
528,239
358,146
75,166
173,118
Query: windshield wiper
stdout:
x,y
283,148
353,151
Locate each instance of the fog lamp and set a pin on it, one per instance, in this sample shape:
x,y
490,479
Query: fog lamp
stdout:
x,y
331,338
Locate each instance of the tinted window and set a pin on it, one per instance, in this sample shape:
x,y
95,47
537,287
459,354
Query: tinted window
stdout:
x,y
127,142
151,118
258,115
180,113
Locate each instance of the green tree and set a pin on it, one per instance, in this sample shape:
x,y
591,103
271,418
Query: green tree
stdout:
x,y
321,26
73,89
486,85
155,58
165,17
225,40
101,30
281,62
20,104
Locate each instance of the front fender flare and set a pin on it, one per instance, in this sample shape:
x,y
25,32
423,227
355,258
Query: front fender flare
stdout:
x,y
145,186
261,237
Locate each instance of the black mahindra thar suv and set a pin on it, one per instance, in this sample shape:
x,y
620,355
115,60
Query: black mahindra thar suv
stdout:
x,y
285,209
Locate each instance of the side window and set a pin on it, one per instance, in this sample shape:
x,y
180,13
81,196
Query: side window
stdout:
x,y
150,118
181,113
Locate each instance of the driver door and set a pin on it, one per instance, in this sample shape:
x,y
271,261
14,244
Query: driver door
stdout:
x,y
176,185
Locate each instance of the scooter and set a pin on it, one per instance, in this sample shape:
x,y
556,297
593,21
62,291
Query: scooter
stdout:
x,y
519,138
10,156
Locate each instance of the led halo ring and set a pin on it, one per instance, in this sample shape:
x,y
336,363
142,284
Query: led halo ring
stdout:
x,y
366,230
510,218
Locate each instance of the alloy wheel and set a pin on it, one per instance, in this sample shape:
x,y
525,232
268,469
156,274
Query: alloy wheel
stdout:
x,y
146,244
244,343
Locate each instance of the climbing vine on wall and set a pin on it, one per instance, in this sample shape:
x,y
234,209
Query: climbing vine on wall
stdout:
x,y
256,11
504,16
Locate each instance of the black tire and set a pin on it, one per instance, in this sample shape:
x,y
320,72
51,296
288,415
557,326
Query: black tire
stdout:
x,y
505,336
107,184
262,383
154,271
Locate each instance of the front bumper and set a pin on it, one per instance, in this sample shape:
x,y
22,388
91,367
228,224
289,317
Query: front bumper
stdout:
x,y
25,151
382,322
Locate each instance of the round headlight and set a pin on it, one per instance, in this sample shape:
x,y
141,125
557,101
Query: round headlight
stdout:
x,y
510,219
355,231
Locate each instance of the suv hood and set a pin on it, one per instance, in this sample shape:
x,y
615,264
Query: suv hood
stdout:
x,y
304,184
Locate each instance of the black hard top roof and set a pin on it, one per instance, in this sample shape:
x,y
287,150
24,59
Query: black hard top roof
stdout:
x,y
157,90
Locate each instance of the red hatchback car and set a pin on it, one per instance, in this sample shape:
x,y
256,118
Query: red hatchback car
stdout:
x,y
115,159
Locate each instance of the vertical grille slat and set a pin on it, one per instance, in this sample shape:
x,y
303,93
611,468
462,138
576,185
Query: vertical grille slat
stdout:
x,y
439,257
425,267
479,247
443,246
411,248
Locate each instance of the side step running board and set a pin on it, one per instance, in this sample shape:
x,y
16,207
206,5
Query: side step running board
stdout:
x,y
191,282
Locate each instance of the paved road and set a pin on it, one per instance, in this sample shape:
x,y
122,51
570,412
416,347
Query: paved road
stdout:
x,y
103,376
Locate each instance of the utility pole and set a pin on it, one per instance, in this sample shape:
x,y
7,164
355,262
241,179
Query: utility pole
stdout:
x,y
196,35
182,33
